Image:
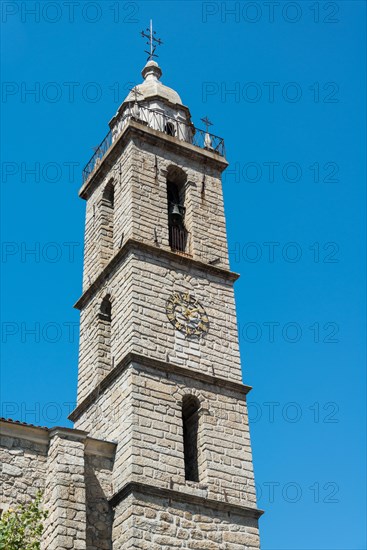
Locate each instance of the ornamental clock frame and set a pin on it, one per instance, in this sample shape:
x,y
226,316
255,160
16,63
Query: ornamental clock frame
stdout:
x,y
187,315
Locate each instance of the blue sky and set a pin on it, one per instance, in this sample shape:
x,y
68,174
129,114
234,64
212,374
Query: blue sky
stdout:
x,y
284,85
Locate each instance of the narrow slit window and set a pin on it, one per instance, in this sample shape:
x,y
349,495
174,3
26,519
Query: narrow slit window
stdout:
x,y
190,420
106,309
107,222
104,335
109,195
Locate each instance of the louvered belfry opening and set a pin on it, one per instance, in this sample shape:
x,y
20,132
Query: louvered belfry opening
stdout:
x,y
178,235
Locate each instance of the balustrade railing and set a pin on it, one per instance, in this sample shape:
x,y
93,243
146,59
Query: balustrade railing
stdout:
x,y
156,120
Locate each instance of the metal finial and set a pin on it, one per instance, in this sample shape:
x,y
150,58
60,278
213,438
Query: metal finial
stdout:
x,y
153,42
207,123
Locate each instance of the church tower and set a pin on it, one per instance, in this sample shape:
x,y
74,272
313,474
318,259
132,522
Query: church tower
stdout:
x,y
159,364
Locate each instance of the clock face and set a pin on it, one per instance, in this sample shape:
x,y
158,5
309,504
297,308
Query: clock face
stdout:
x,y
187,315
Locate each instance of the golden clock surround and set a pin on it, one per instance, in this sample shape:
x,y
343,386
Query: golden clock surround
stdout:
x,y
187,315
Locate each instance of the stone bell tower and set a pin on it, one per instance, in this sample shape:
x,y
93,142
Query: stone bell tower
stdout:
x,y
159,363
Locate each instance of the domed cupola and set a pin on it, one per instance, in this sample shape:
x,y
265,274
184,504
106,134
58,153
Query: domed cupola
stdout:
x,y
153,88
153,109
155,104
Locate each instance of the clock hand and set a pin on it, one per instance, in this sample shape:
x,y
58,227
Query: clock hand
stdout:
x,y
190,311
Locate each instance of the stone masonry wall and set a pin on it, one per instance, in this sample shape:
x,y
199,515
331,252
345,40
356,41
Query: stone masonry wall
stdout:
x,y
92,346
223,437
140,211
95,250
152,523
204,216
65,526
22,470
139,289
155,280
73,472
139,177
98,483
111,417
142,411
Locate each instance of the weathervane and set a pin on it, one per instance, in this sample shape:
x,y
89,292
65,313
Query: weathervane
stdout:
x,y
153,42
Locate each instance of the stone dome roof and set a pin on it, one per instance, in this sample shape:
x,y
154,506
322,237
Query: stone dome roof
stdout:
x,y
153,87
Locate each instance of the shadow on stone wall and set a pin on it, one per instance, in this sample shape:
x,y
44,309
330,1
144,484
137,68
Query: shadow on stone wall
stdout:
x,y
99,512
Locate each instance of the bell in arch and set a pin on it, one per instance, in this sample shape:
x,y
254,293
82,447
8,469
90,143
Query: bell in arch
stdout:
x,y
176,213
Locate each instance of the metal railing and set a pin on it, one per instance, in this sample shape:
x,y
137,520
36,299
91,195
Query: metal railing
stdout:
x,y
156,120
178,238
95,160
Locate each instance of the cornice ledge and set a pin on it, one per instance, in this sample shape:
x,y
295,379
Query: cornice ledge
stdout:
x,y
71,434
189,498
156,365
100,447
133,244
141,129
30,432
110,155
182,146
42,435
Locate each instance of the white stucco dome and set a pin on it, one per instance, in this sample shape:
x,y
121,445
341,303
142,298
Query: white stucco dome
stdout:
x,y
152,86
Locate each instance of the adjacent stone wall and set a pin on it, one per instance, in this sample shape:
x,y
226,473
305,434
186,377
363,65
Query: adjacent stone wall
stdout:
x,y
75,474
153,523
23,465
65,493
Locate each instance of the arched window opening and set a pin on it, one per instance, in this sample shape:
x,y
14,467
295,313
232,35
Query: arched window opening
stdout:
x,y
176,214
106,309
109,195
190,421
169,128
178,235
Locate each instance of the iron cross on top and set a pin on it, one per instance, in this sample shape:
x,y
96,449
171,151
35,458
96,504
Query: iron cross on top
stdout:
x,y
153,42
207,123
